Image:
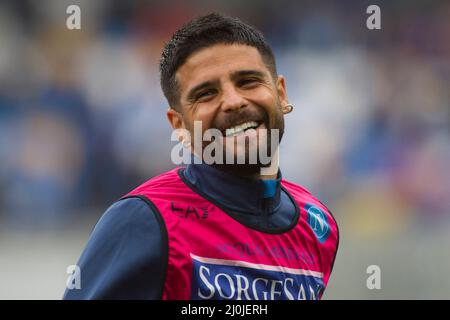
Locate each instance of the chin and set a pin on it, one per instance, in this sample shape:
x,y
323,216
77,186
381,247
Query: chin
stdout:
x,y
246,170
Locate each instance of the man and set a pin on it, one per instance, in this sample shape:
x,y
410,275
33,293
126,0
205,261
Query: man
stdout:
x,y
221,230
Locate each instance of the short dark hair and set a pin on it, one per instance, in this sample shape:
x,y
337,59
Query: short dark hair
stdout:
x,y
203,32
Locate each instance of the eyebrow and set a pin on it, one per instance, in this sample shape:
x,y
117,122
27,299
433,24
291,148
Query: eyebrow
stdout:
x,y
243,73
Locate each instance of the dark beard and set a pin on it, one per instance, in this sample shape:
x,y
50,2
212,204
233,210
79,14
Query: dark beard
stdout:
x,y
241,170
252,170
247,169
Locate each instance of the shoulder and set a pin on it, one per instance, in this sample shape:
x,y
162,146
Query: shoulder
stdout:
x,y
295,187
125,255
305,198
129,220
299,192
170,180
127,212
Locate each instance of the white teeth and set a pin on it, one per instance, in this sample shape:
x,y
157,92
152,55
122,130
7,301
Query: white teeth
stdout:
x,y
240,128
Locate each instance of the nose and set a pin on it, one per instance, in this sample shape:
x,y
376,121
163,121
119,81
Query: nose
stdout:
x,y
232,100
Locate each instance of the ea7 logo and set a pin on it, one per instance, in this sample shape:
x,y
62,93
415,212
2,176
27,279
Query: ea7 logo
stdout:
x,y
188,211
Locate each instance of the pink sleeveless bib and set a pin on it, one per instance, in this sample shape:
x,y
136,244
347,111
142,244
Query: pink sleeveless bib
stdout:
x,y
213,256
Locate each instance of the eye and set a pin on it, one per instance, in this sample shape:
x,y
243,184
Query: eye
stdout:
x,y
205,95
248,82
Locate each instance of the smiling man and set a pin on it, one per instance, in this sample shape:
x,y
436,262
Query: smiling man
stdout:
x,y
229,87
221,230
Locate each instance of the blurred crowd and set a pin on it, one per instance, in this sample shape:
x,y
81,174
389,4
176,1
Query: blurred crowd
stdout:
x,y
82,115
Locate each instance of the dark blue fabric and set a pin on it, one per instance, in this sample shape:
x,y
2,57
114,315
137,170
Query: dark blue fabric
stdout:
x,y
244,198
125,258
122,259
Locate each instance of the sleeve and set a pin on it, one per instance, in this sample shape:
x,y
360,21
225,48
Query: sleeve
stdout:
x,y
125,257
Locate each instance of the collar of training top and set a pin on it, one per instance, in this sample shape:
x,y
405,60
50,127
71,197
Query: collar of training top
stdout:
x,y
236,193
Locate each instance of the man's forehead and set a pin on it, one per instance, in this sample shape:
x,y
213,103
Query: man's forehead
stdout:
x,y
219,60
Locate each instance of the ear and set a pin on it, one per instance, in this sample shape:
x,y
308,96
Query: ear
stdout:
x,y
281,90
175,119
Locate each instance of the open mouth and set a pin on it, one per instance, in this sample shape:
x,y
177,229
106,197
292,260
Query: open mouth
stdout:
x,y
241,128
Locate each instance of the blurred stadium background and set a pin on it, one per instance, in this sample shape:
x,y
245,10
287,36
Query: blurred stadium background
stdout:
x,y
82,121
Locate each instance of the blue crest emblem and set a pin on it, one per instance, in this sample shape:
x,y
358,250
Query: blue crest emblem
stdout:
x,y
318,221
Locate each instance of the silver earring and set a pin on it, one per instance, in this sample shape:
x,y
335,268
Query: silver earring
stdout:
x,y
288,108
